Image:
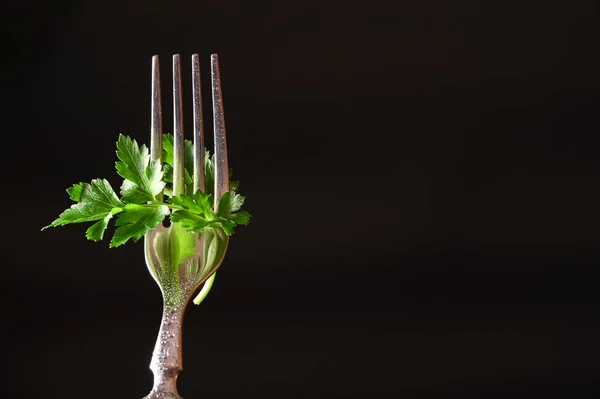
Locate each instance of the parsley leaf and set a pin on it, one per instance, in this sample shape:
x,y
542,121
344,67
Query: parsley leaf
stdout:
x,y
143,179
75,191
188,202
139,210
209,173
229,205
95,201
205,201
241,217
209,167
236,201
135,221
197,211
198,214
96,231
190,221
224,207
188,161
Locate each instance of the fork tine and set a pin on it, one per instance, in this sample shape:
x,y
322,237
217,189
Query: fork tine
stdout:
x,y
156,115
221,164
198,126
178,151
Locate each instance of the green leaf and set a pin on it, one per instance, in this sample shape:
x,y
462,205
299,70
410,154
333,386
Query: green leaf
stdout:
x,y
224,207
75,191
204,200
96,231
134,194
209,166
198,213
236,202
189,221
138,210
225,224
229,202
96,200
145,177
168,148
200,204
134,160
187,202
241,217
188,160
135,220
209,173
168,173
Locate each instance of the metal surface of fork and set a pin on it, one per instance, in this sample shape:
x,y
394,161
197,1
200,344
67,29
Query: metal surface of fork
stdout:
x,y
179,281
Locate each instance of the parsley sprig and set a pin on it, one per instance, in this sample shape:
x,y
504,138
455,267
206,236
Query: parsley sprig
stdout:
x,y
139,208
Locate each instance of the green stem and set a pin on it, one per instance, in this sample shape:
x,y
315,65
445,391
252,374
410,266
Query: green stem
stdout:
x,y
156,204
205,289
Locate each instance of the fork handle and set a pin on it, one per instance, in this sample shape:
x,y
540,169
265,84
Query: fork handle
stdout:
x,y
166,359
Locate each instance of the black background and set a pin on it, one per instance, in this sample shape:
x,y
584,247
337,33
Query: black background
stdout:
x,y
424,180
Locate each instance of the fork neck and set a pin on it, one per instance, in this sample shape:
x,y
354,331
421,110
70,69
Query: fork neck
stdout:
x,y
166,361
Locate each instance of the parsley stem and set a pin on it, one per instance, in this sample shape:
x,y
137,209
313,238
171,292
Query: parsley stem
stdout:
x,y
157,204
205,289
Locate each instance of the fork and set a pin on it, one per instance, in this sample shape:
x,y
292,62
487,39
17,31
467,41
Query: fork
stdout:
x,y
177,276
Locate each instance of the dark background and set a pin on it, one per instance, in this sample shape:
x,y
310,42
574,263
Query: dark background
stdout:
x,y
424,180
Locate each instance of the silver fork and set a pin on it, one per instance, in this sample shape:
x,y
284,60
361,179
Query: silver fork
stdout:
x,y
177,276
